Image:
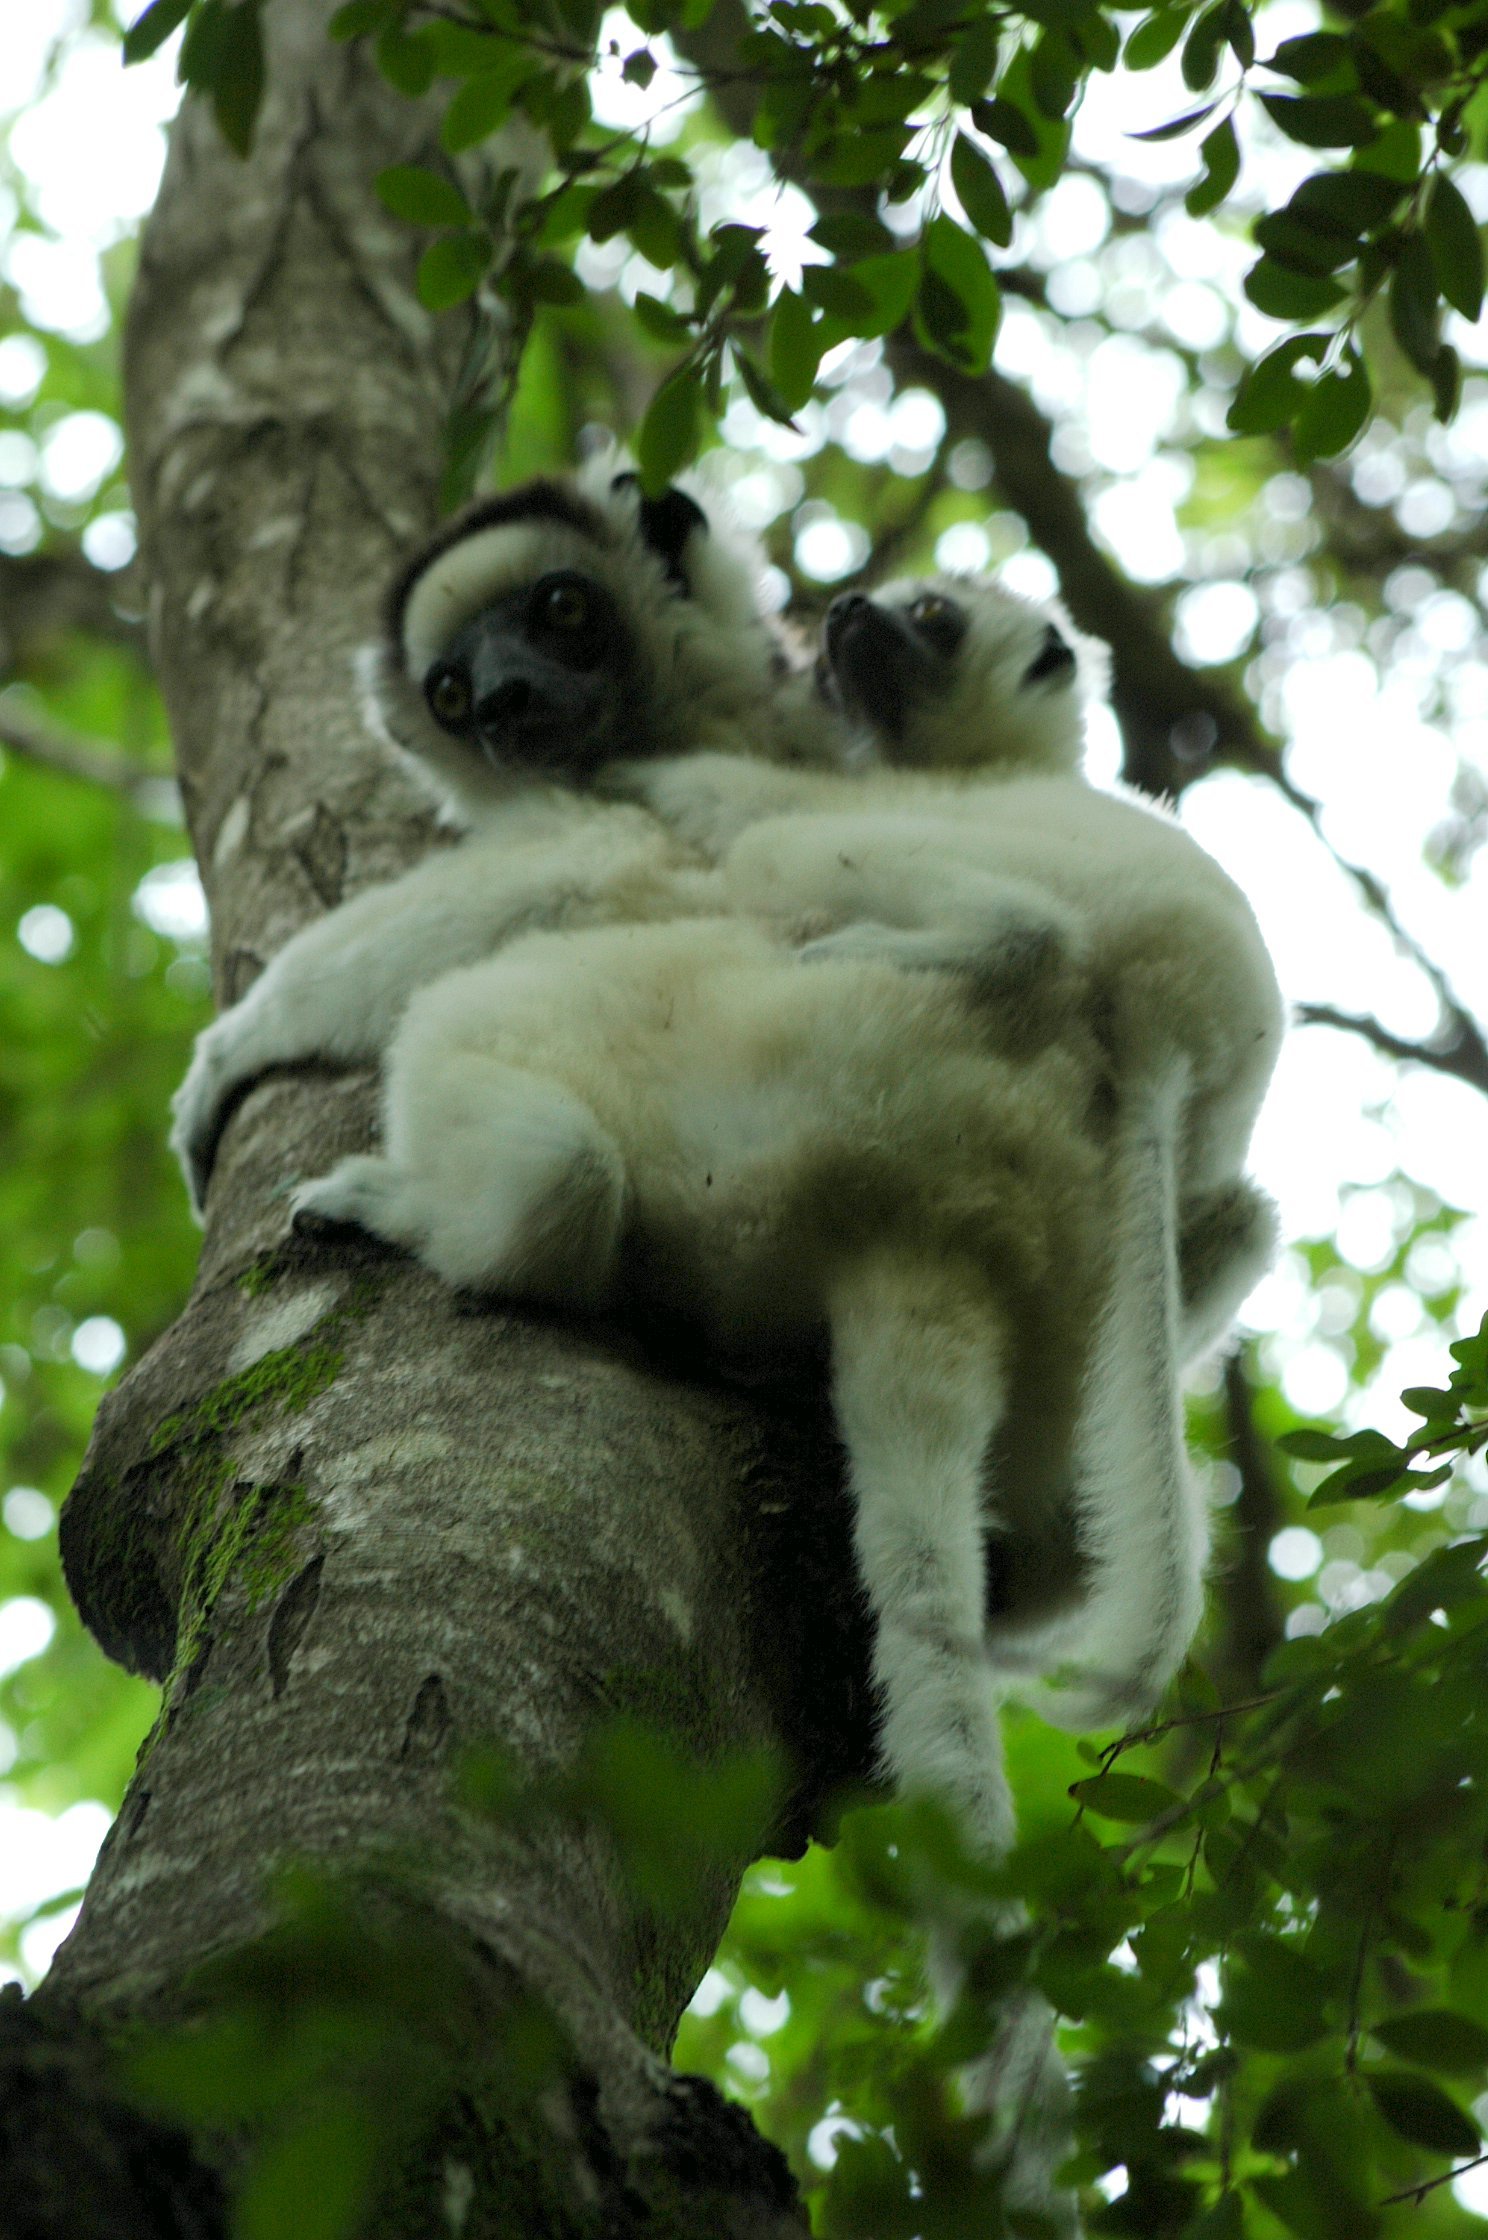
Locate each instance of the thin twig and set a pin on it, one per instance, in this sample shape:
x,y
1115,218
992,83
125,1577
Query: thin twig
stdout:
x,y
1429,2185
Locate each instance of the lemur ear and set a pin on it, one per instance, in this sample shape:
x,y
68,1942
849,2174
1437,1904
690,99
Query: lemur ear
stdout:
x,y
667,523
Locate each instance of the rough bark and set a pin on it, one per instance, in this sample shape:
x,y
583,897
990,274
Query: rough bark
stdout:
x,y
355,1526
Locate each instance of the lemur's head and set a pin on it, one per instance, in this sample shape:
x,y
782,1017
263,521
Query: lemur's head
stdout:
x,y
953,672
561,625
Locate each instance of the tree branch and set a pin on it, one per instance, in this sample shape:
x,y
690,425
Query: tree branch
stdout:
x,y
45,594
152,792
1251,1614
1465,1059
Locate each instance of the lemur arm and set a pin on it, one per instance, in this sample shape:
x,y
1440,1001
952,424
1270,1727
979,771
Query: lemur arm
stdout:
x,y
708,799
338,988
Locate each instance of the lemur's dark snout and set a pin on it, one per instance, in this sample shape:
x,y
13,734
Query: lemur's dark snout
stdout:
x,y
878,668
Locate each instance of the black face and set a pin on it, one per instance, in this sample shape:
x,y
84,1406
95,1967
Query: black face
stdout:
x,y
880,662
543,678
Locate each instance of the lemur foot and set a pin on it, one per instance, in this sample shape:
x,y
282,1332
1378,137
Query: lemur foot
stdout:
x,y
361,1193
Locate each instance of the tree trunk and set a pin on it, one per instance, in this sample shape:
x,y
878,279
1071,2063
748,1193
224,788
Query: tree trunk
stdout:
x,y
356,1528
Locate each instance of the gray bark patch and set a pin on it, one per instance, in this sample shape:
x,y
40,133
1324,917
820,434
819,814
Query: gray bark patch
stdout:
x,y
290,1622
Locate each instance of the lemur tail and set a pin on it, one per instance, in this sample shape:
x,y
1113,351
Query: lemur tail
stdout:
x,y
1139,1517
919,1384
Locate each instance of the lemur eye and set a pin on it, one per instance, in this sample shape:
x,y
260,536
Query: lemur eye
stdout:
x,y
448,694
565,607
939,619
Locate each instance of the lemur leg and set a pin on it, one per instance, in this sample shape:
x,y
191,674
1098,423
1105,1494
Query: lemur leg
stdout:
x,y
919,1384
919,1389
499,1180
1139,1515
338,989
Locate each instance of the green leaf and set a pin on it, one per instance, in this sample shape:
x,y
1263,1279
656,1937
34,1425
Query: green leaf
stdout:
x,y
423,197
656,230
1096,38
1153,38
1202,48
611,210
153,28
891,283
1456,247
1436,2038
1312,57
545,280
980,192
1433,1402
1051,137
957,300
1309,1444
1347,202
1284,294
1446,382
974,60
1422,2113
640,67
1220,153
1303,245
1323,120
1357,1482
839,294
1413,303
1176,126
1275,1997
1335,410
238,79
1269,397
1004,122
670,432
1128,1797
484,102
846,234
407,61
795,352
1239,32
452,269
860,159
1053,74
1444,1580
358,17
763,394
660,321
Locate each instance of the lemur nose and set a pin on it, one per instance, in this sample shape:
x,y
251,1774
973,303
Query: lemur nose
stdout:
x,y
512,697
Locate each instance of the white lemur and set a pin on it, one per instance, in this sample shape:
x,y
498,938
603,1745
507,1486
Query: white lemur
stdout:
x,y
497,658
780,1168
578,635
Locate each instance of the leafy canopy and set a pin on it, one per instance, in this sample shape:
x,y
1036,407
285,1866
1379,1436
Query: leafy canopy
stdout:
x,y
919,130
